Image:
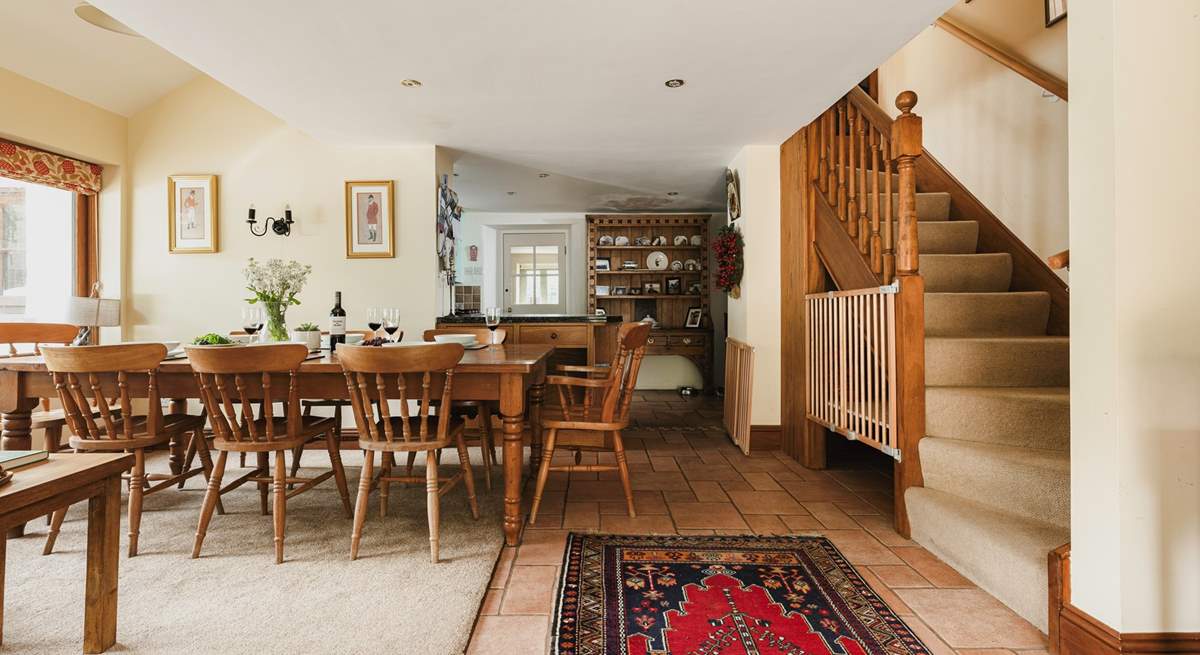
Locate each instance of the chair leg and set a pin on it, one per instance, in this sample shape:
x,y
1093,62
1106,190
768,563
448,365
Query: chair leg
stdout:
x,y
188,457
623,470
298,452
280,503
485,444
543,473
339,472
137,489
360,504
388,461
412,459
464,457
201,446
264,470
211,498
52,443
432,500
56,522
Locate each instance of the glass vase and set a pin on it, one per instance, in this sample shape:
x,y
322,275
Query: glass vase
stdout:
x,y
276,321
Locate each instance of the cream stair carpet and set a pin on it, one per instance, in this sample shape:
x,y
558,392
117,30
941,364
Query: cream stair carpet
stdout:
x,y
235,599
995,459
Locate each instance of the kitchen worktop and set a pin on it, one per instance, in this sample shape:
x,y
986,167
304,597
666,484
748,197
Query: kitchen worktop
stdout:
x,y
467,319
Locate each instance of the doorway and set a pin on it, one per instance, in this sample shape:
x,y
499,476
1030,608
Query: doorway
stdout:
x,y
534,265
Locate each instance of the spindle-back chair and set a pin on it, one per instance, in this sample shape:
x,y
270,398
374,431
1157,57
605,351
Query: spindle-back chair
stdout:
x,y
423,374
475,409
51,421
232,381
85,377
593,418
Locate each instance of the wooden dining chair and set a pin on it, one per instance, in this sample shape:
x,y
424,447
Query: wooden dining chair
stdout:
x,y
231,379
85,376
475,409
595,409
418,373
51,421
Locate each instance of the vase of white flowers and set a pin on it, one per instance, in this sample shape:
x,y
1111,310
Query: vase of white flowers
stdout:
x,y
275,284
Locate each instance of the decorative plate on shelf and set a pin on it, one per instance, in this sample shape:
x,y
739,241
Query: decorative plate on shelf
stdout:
x,y
733,195
641,241
681,240
676,265
697,240
691,265
606,240
621,241
657,261
659,241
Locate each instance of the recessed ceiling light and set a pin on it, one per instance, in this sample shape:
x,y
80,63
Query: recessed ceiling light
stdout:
x,y
412,84
675,83
96,17
672,193
543,175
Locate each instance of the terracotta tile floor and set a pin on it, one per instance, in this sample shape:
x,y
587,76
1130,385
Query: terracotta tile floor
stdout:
x,y
688,478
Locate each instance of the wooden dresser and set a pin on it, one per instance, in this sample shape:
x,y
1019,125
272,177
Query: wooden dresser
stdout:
x,y
576,339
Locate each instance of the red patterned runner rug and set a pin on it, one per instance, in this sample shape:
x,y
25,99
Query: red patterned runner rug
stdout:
x,y
654,595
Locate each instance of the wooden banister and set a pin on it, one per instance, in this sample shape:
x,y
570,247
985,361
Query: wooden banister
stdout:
x,y
1059,261
1023,68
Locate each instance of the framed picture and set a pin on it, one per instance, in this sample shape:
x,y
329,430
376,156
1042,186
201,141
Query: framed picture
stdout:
x,y
601,289
1056,10
695,317
370,222
603,264
634,291
674,285
650,288
694,288
192,208
619,291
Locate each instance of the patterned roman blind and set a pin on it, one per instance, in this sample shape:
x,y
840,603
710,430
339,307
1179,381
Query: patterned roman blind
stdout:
x,y
27,164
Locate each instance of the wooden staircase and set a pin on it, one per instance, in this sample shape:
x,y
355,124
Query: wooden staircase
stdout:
x,y
981,362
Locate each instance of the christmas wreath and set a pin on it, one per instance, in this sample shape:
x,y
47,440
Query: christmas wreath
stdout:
x,y
728,247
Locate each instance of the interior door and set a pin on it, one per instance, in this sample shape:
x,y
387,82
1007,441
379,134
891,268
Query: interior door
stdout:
x,y
534,272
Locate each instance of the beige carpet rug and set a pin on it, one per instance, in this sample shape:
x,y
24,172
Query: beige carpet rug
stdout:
x,y
235,599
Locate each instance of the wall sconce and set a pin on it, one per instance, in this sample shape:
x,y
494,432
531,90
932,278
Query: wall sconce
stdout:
x,y
280,226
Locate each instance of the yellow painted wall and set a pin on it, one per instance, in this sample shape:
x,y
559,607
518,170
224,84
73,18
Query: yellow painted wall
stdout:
x,y
203,127
992,128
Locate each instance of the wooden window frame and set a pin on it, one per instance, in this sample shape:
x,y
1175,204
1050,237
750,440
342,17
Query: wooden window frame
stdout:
x,y
87,246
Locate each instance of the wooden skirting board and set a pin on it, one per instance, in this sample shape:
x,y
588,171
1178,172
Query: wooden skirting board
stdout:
x,y
765,437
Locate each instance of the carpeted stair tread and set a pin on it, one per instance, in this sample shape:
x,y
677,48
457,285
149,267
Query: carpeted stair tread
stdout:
x,y
1028,482
1009,313
934,206
947,237
1030,417
997,361
1002,553
981,272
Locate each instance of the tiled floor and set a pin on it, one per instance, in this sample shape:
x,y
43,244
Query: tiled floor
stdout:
x,y
688,478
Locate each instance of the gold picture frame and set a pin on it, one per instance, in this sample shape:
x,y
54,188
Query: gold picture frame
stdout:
x,y
192,214
370,232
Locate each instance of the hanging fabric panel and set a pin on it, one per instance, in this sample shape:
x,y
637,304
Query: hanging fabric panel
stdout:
x,y
28,164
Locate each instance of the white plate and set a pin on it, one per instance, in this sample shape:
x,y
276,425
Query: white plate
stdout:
x,y
692,265
696,240
621,241
657,261
681,240
464,339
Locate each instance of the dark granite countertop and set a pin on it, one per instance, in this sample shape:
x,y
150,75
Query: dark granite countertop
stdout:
x,y
467,319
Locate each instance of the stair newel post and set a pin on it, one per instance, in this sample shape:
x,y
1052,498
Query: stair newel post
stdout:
x,y
910,310
889,235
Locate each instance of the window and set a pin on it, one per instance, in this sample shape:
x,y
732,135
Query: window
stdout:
x,y
533,273
38,226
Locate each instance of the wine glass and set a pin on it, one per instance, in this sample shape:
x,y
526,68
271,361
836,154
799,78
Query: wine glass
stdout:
x,y
391,322
491,318
374,320
252,320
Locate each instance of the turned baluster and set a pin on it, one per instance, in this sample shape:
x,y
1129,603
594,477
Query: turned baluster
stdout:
x,y
822,171
861,219
841,163
851,215
906,147
876,241
831,183
889,235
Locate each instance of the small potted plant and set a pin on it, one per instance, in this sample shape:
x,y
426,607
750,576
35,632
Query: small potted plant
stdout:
x,y
308,334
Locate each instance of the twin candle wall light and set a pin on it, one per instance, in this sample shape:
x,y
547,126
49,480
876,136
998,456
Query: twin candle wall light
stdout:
x,y
280,226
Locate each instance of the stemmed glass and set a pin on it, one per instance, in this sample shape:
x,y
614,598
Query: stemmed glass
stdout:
x,y
252,320
491,318
374,320
391,321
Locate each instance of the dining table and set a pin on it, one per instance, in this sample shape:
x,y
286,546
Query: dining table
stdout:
x,y
513,376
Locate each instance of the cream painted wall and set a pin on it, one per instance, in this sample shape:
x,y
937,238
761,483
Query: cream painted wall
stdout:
x,y
203,127
1135,364
754,317
990,127
38,115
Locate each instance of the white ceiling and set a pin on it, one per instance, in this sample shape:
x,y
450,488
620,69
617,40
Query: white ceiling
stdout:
x,y
566,87
44,41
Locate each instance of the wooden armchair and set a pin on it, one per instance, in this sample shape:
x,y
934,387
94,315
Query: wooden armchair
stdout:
x,y
473,408
231,378
373,377
594,411
84,376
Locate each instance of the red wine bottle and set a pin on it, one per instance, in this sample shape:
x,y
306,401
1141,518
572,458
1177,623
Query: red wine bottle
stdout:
x,y
337,323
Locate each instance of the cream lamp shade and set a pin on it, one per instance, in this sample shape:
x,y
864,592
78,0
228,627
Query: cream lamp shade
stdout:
x,y
92,312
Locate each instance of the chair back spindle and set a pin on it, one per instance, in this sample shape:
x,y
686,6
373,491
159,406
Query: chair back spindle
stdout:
x,y
232,379
84,378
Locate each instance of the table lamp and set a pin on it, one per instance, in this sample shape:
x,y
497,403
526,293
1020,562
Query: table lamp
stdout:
x,y
92,312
